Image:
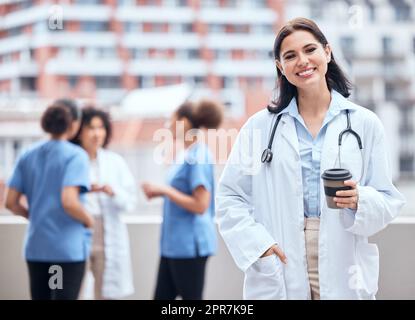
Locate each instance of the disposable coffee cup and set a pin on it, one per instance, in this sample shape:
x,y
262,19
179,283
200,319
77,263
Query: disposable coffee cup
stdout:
x,y
334,181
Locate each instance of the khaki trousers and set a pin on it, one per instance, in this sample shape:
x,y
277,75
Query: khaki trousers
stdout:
x,y
311,231
97,257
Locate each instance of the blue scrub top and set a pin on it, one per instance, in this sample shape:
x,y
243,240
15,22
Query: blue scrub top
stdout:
x,y
185,234
40,174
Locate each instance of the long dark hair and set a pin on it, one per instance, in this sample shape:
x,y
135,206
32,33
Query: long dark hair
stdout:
x,y
335,77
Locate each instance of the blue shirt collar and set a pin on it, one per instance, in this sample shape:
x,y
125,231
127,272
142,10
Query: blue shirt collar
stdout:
x,y
337,104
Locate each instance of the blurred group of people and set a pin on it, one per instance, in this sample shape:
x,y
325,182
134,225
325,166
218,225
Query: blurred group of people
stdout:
x,y
76,190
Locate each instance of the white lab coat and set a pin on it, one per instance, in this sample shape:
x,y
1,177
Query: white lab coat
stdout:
x,y
259,205
113,170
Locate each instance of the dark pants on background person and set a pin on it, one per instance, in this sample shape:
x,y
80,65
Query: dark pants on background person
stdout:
x,y
42,282
181,277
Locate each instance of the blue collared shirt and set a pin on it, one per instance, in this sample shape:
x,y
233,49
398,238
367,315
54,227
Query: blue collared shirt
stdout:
x,y
185,234
40,174
310,153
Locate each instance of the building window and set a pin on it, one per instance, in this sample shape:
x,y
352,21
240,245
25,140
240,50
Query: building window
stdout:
x,y
126,2
88,1
72,81
28,84
93,53
175,3
25,4
406,164
316,10
108,53
387,45
251,4
156,27
17,148
210,3
146,82
12,32
402,10
262,29
216,28
94,26
69,52
171,80
40,27
222,54
240,28
108,82
130,26
229,82
372,11
138,53
390,92
181,27
347,45
188,54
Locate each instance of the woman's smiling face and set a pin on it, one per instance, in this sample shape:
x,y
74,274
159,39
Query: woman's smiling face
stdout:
x,y
303,60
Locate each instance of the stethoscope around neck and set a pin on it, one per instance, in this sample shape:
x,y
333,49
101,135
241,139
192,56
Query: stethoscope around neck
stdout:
x,y
267,154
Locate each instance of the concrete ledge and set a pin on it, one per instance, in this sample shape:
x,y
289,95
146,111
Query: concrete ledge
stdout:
x,y
223,279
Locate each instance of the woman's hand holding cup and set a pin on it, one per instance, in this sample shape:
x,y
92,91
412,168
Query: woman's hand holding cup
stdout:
x,y
347,198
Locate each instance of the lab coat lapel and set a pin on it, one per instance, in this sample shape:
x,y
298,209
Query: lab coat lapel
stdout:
x,y
289,132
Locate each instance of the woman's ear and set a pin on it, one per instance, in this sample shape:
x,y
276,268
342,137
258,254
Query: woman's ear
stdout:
x,y
279,66
327,49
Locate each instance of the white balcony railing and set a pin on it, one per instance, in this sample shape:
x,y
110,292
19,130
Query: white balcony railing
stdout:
x,y
235,41
155,14
168,68
161,41
79,67
17,69
238,16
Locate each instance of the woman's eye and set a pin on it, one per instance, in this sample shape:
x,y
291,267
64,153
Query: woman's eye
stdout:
x,y
310,50
289,57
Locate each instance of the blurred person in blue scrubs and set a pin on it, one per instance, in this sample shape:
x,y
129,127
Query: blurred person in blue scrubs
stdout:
x,y
54,175
113,192
188,234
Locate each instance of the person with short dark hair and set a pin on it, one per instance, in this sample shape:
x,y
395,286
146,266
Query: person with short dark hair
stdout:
x,y
188,233
53,175
113,192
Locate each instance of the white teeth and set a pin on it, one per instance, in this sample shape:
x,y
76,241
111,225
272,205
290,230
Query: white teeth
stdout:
x,y
306,72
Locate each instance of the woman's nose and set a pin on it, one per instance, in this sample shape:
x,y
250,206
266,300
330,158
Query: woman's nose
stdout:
x,y
302,60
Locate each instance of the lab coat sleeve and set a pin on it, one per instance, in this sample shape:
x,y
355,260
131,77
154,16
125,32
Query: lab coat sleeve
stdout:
x,y
245,238
125,190
379,201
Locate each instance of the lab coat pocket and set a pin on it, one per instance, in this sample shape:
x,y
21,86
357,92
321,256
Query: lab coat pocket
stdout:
x,y
368,259
264,280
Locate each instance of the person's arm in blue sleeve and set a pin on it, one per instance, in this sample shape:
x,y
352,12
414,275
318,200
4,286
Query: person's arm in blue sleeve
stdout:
x,y
15,192
198,201
76,181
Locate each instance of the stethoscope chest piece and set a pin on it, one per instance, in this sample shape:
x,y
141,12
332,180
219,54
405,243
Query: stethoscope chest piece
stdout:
x,y
266,155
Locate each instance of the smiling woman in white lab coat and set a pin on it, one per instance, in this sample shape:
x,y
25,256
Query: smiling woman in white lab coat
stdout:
x,y
113,192
273,215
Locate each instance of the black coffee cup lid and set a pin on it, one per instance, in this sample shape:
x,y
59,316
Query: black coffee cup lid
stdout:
x,y
336,174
